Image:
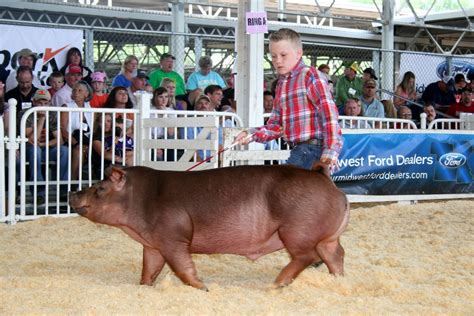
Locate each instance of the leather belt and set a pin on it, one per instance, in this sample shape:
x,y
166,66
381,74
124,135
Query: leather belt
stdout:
x,y
317,142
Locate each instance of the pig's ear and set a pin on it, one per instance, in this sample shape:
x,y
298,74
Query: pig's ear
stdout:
x,y
115,174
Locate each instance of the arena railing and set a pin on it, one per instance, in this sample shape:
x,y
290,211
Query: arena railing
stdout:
x,y
138,125
144,152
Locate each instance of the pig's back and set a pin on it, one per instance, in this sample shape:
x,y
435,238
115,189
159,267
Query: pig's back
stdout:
x,y
241,209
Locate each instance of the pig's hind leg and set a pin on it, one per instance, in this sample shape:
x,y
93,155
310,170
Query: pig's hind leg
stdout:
x,y
153,263
332,254
303,254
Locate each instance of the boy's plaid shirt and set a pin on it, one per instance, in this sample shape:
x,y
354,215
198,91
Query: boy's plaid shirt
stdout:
x,y
303,109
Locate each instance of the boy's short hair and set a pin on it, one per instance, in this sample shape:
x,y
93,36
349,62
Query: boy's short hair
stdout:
x,y
54,74
285,34
210,89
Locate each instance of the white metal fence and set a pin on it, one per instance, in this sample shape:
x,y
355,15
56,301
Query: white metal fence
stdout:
x,y
169,140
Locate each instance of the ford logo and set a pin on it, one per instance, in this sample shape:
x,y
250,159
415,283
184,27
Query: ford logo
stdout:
x,y
452,160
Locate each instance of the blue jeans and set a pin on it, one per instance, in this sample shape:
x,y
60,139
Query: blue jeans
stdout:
x,y
40,156
304,155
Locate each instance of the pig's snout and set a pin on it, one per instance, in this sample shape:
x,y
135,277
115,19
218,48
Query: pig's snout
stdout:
x,y
76,203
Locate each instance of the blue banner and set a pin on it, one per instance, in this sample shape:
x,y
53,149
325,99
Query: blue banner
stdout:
x,y
408,163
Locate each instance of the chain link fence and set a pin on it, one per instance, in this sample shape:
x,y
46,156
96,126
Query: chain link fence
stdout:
x,y
111,48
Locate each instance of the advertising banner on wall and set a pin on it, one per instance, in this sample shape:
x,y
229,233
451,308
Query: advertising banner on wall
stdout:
x,y
50,45
401,164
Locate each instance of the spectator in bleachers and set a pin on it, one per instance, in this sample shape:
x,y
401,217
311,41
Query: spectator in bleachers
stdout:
x,y
228,101
160,99
215,94
324,68
389,109
128,71
352,108
430,112
371,106
173,103
470,77
439,94
25,58
348,86
459,83
56,81
138,84
404,112
3,107
106,145
4,74
63,96
24,90
199,80
267,102
78,123
118,99
465,105
405,89
74,57
99,97
166,71
41,146
203,103
369,73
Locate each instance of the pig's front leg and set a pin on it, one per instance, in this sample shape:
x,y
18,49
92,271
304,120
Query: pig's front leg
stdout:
x,y
153,263
180,261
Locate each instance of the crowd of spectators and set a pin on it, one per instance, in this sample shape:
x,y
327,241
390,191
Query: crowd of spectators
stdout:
x,y
356,93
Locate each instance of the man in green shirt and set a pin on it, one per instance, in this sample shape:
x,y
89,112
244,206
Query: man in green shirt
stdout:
x,y
349,86
166,71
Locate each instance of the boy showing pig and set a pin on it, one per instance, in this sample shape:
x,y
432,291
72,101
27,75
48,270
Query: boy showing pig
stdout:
x,y
304,112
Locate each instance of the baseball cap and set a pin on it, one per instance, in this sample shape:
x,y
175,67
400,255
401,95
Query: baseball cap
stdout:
x,y
41,94
166,55
142,74
26,52
371,72
202,96
354,66
98,76
73,69
370,83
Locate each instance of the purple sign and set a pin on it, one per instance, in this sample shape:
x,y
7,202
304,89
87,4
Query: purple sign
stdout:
x,y
256,22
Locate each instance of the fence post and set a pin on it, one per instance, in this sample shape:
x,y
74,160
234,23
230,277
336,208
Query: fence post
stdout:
x,y
144,102
89,55
423,121
12,147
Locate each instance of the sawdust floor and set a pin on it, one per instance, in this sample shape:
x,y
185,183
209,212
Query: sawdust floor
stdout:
x,y
400,259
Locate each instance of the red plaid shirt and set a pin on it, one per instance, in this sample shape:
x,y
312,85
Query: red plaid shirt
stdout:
x,y
303,109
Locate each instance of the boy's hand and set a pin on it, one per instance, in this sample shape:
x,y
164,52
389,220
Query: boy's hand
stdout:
x,y
242,138
330,163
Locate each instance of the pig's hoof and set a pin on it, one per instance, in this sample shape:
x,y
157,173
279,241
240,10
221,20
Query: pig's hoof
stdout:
x,y
147,283
280,285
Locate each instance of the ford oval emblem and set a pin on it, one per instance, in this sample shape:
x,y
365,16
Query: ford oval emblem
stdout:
x,y
452,160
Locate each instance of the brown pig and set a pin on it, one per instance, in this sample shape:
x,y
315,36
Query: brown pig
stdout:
x,y
248,210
